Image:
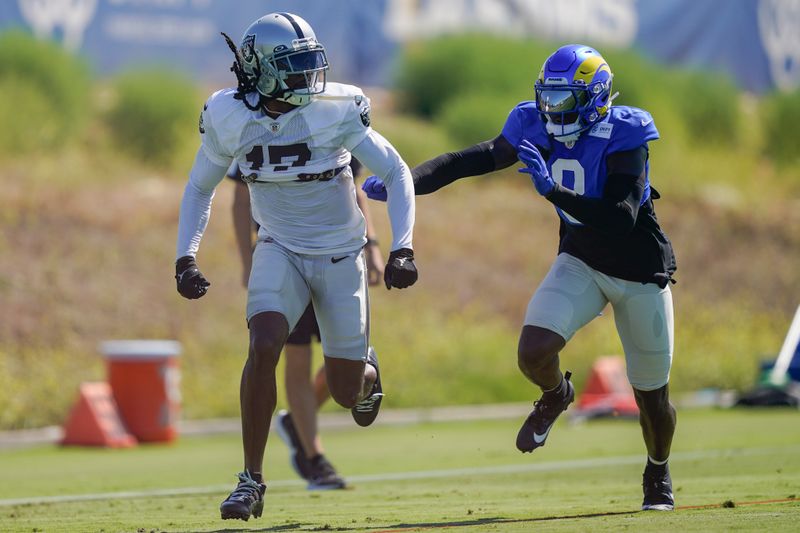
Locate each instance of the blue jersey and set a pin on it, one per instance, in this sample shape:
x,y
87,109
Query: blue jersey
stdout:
x,y
646,254
582,168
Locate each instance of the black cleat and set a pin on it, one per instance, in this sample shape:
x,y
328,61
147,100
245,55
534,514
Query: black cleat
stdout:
x,y
324,475
288,434
537,426
245,500
657,488
365,411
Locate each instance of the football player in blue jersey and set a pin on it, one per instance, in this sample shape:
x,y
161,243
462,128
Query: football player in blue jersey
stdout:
x,y
590,160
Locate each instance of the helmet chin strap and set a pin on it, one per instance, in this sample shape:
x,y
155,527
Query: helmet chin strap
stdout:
x,y
294,99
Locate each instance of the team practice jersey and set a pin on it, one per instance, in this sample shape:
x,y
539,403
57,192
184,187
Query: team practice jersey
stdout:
x,y
301,188
296,165
645,254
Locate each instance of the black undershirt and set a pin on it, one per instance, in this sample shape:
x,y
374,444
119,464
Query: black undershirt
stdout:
x,y
620,237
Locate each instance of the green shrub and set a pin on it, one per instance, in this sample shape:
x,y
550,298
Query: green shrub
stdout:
x,y
152,114
710,108
415,139
29,119
432,73
45,90
476,117
781,115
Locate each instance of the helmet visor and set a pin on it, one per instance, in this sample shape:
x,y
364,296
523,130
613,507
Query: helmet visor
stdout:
x,y
561,106
303,71
301,61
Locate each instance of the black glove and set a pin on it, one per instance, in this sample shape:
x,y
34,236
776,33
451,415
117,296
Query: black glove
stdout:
x,y
191,282
401,272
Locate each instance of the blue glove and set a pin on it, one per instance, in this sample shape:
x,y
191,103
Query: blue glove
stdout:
x,y
536,167
375,188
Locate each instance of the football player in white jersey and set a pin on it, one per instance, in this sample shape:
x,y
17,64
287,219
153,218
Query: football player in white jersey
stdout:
x,y
292,134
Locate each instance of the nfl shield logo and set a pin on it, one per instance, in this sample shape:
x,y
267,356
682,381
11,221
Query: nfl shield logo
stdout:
x,y
274,127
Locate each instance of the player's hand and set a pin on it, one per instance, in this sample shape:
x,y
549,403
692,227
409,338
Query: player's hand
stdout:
x,y
536,167
191,282
401,272
375,188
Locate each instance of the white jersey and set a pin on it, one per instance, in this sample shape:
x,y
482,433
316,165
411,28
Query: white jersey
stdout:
x,y
301,189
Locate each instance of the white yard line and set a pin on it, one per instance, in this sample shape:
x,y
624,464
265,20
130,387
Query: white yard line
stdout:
x,y
551,466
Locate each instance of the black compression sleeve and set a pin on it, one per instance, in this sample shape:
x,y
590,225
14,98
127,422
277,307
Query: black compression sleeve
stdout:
x,y
615,213
447,168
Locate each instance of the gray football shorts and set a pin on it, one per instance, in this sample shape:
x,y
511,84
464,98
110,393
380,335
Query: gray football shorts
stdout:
x,y
572,294
285,282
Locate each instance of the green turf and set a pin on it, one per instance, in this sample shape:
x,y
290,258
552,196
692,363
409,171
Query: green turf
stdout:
x,y
470,478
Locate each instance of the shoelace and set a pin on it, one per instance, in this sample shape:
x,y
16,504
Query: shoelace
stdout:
x,y
366,405
547,408
247,487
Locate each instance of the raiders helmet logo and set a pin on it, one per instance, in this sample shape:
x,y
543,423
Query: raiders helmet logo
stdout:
x,y
248,48
365,117
200,124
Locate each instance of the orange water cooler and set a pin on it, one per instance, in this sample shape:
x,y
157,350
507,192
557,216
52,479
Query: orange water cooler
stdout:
x,y
144,376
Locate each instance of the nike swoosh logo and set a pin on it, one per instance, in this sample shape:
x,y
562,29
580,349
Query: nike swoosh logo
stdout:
x,y
538,439
337,259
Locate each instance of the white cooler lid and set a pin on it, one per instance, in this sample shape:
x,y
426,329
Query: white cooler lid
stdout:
x,y
140,349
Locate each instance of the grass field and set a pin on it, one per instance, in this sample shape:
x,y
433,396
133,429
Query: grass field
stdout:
x,y
459,476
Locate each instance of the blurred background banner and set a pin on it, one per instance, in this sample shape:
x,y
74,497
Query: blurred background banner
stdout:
x,y
757,43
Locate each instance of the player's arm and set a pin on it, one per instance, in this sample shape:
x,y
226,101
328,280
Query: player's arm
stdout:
x,y
192,221
380,157
435,173
616,211
243,227
372,250
476,160
242,221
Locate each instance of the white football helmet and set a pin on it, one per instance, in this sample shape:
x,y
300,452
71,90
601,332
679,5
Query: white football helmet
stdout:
x,y
282,59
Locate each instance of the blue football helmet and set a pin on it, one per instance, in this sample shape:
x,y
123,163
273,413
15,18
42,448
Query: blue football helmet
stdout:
x,y
573,91
282,59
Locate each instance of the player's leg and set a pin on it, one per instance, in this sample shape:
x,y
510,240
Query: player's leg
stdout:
x,y
321,391
300,392
277,295
268,332
298,426
565,301
644,318
342,307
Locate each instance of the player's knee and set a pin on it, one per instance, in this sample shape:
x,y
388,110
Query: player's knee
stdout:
x,y
654,403
265,348
538,347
